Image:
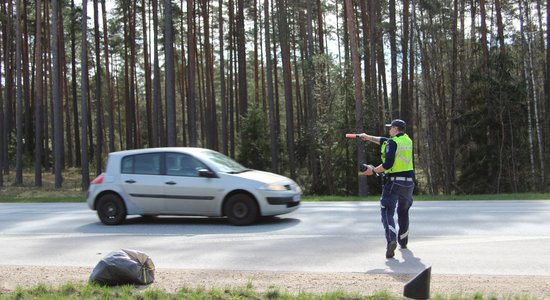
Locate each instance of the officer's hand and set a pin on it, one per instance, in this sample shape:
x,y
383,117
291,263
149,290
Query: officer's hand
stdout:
x,y
369,171
364,136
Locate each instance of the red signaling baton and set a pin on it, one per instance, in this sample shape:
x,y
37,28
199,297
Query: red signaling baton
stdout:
x,y
352,135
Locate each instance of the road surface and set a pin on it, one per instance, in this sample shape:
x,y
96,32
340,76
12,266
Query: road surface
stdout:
x,y
453,237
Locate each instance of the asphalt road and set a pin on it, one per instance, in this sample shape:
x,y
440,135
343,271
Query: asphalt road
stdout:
x,y
454,237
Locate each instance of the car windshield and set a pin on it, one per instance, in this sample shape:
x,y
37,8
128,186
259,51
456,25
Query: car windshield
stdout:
x,y
224,163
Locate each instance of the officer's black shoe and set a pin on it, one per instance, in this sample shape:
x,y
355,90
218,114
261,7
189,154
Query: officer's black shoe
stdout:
x,y
390,249
403,246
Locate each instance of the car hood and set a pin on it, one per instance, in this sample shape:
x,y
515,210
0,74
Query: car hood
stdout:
x,y
264,177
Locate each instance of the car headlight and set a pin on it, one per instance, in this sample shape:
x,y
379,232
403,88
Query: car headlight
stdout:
x,y
275,187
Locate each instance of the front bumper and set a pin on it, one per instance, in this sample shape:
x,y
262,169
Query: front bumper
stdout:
x,y
286,201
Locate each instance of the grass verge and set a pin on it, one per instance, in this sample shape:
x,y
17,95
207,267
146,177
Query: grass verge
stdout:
x,y
94,291
518,196
72,192
41,195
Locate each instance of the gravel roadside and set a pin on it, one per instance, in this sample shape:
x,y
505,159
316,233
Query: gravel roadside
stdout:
x,y
171,280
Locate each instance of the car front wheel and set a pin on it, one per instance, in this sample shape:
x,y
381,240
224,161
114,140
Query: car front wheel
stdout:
x,y
241,209
111,209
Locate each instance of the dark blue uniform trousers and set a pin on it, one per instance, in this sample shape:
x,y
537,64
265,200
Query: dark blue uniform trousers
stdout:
x,y
396,194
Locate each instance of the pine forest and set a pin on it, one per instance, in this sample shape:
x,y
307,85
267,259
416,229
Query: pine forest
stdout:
x,y
276,85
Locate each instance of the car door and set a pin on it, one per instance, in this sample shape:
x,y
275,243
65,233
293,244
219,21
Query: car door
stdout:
x,y
142,181
185,191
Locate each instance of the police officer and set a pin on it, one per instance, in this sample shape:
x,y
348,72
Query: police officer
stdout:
x,y
397,164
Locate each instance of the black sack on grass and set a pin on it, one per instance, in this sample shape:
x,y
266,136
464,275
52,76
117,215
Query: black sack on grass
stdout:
x,y
124,267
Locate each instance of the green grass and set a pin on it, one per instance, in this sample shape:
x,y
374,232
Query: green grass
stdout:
x,y
50,196
519,196
72,192
93,291
39,199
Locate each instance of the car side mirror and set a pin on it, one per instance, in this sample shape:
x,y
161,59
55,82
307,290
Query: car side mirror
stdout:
x,y
207,173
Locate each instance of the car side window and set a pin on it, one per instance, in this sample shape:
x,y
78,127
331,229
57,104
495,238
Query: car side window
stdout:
x,y
178,164
148,164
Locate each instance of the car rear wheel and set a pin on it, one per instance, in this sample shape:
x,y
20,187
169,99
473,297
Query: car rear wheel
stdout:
x,y
241,209
111,209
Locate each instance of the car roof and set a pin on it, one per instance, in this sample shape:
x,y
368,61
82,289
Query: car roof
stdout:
x,y
189,150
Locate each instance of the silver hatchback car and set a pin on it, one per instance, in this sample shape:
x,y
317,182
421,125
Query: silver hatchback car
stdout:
x,y
188,182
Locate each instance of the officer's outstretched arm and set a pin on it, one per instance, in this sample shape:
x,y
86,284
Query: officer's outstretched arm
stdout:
x,y
370,138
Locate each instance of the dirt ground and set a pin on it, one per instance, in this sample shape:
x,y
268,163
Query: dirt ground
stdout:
x,y
171,280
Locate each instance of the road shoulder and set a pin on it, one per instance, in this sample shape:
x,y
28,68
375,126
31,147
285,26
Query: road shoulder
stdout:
x,y
171,280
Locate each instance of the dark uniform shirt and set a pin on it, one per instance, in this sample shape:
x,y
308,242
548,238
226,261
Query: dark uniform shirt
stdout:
x,y
391,148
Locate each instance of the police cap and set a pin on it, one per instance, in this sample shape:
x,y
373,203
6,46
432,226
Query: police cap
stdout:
x,y
397,123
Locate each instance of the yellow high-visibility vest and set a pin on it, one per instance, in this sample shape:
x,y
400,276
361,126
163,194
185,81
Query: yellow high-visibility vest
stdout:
x,y
403,155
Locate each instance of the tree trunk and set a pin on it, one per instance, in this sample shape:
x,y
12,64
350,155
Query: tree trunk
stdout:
x,y
28,118
191,60
311,104
38,124
406,107
134,93
110,92
529,91
393,57
358,90
241,50
500,27
147,67
2,137
255,58
298,69
84,97
547,78
98,94
19,104
233,88
56,97
373,41
381,93
182,74
158,119
483,30
223,98
48,68
128,105
536,102
450,171
74,26
409,104
66,101
287,77
7,38
211,121
274,47
320,24
274,144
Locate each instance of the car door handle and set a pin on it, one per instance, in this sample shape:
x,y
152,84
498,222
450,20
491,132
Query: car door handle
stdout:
x,y
130,181
170,183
